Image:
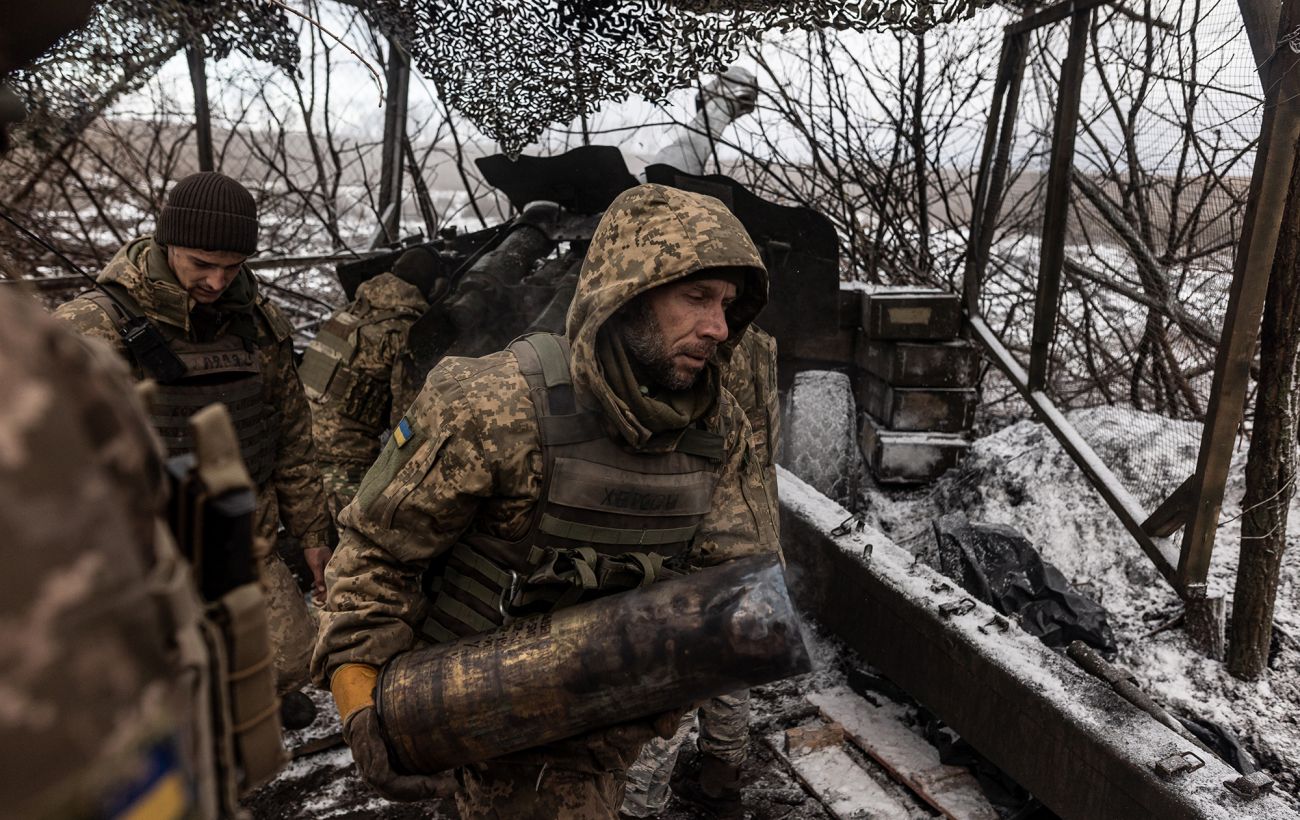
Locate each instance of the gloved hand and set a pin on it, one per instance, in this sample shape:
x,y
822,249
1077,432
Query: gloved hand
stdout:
x,y
361,731
353,687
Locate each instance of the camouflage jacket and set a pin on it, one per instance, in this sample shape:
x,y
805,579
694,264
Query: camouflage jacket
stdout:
x,y
750,376
294,493
354,389
80,489
471,456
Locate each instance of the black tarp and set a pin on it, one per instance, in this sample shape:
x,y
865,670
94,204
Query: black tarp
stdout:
x,y
999,566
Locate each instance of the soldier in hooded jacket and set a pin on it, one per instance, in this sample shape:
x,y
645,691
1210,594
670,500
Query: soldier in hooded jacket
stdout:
x,y
466,492
348,371
190,281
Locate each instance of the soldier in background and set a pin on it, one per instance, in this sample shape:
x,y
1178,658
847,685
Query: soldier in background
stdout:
x,y
349,374
189,280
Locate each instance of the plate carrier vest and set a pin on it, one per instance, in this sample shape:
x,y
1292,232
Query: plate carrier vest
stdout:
x,y
608,518
327,373
224,370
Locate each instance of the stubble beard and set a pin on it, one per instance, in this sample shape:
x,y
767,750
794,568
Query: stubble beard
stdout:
x,y
645,342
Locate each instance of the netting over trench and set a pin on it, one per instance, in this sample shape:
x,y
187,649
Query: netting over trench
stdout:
x,y
1165,149
514,67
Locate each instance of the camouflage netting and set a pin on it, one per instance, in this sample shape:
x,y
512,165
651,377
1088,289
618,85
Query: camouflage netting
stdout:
x,y
514,67
124,44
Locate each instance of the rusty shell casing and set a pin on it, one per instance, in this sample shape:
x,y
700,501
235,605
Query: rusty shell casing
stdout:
x,y
615,659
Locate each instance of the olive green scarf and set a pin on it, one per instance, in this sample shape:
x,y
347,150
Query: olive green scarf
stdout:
x,y
233,310
656,409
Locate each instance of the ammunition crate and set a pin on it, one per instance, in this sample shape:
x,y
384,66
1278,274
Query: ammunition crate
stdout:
x,y
835,348
908,458
910,314
919,364
911,409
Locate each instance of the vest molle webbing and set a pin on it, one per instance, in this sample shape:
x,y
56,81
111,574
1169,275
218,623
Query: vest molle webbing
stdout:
x,y
607,520
327,372
224,371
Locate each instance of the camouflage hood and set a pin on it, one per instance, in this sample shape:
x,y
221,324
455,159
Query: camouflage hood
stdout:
x,y
650,236
140,267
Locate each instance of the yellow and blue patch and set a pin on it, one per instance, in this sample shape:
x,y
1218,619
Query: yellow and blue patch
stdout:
x,y
160,791
402,432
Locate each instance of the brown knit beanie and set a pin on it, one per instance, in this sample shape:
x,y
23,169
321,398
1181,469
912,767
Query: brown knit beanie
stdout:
x,y
211,212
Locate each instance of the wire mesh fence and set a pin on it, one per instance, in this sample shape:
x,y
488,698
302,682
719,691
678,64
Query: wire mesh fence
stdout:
x,y
1169,119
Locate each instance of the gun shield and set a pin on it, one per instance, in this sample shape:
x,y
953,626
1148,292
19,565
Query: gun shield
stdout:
x,y
613,660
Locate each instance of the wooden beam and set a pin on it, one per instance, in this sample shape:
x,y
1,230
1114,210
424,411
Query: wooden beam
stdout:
x,y
1172,513
1116,495
1052,249
197,60
1274,167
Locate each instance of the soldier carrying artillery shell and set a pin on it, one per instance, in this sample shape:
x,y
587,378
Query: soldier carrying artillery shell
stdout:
x,y
490,502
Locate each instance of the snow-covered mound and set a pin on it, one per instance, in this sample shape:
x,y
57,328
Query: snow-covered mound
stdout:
x,y
1021,477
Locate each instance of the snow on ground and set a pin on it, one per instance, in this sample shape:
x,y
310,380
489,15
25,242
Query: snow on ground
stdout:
x,y
1021,477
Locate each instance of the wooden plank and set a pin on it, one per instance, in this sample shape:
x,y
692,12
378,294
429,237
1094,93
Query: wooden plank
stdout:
x,y
950,790
1051,260
1269,186
839,783
1173,512
1121,501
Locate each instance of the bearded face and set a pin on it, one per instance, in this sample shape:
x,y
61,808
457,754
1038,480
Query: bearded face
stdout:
x,y
673,330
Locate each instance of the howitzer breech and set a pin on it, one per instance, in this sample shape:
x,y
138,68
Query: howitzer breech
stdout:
x,y
616,659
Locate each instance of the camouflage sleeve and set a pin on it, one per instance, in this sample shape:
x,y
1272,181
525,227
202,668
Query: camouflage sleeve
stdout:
x,y
89,319
422,492
740,521
767,389
297,481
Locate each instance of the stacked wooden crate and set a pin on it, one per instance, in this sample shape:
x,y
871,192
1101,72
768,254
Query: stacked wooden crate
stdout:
x,y
914,383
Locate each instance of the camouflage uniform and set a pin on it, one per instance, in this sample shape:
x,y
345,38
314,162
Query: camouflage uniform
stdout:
x,y
292,491
354,389
470,460
750,376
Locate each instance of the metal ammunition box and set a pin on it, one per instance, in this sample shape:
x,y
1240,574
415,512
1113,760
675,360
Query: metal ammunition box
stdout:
x,y
908,409
835,349
919,364
908,458
910,313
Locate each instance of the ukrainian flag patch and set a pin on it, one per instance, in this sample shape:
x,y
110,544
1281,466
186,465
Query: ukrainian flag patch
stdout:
x,y
402,432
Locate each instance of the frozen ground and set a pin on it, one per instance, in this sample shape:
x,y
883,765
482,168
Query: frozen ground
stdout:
x,y
1020,476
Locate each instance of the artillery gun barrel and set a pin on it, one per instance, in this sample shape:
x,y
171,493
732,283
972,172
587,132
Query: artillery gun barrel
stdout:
x,y
620,658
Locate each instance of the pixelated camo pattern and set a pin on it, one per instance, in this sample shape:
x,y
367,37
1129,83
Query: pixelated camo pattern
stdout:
x,y
474,458
80,484
294,494
384,310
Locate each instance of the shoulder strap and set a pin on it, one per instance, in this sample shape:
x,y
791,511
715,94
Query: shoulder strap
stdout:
x,y
544,363
280,327
124,301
